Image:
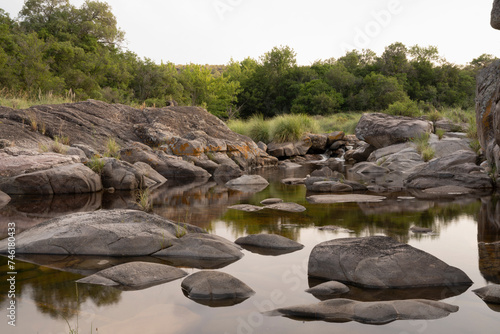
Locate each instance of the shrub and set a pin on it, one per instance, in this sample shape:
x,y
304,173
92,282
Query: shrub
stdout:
x,y
407,108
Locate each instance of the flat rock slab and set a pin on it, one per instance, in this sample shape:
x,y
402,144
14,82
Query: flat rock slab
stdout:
x,y
329,288
273,241
490,293
347,198
381,262
103,232
246,207
135,275
215,285
247,180
293,181
202,246
334,228
288,207
375,313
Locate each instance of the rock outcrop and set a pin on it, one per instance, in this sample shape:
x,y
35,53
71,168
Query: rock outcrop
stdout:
x,y
110,233
381,130
381,262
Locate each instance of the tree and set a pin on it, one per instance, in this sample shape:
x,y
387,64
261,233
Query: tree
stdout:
x,y
318,98
96,19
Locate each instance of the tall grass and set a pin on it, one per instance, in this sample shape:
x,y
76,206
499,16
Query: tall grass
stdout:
x,y
24,100
112,148
422,142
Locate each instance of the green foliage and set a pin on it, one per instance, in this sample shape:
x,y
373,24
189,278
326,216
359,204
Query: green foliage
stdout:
x,y
287,128
96,164
112,148
407,108
440,133
422,143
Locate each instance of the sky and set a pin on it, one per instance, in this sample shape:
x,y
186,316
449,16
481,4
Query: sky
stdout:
x,y
214,31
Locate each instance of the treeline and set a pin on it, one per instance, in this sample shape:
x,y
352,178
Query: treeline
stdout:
x,y
55,47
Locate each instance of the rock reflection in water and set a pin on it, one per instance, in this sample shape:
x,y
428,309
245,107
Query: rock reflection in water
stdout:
x,y
488,238
369,295
55,292
28,211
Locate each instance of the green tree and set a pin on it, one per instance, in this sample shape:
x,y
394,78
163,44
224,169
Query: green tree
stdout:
x,y
318,98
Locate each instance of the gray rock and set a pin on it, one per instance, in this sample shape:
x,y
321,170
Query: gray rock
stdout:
x,y
381,130
359,154
490,293
227,172
389,150
323,172
288,207
269,201
449,146
262,146
318,143
381,262
78,152
110,233
355,198
449,126
135,275
248,183
87,150
289,165
405,161
122,175
376,313
329,288
334,228
149,172
202,246
368,168
495,15
65,179
287,150
214,285
272,241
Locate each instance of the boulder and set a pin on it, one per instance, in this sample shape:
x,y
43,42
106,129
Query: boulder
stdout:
x,y
334,136
168,166
381,262
272,241
148,172
86,149
109,233
329,288
289,165
352,198
288,149
449,146
215,285
323,172
385,152
359,154
368,168
449,126
226,172
329,187
65,179
248,183
318,143
405,161
488,107
490,293
452,170
287,207
134,275
382,130
375,313
122,175
495,15
202,246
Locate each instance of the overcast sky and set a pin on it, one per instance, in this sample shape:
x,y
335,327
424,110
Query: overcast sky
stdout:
x,y
214,31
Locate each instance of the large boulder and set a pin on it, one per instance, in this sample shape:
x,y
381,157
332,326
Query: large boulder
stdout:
x,y
381,262
290,149
459,169
109,233
215,285
488,109
169,166
134,275
375,313
202,246
122,175
65,179
381,130
248,183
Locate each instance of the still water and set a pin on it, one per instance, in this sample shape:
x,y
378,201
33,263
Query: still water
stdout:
x,y
49,300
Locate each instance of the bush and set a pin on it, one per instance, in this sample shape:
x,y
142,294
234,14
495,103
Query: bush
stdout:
x,y
407,108
292,127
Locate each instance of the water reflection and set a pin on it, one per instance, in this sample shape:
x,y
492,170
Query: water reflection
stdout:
x,y
488,237
55,292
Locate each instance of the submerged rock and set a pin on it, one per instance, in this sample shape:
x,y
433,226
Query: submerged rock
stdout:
x,y
329,288
135,275
381,262
357,198
375,313
215,285
287,207
110,233
490,293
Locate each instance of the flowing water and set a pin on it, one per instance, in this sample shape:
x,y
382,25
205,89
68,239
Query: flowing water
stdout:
x,y
49,300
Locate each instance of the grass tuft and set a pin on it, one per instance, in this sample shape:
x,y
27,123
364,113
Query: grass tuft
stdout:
x,y
144,200
112,149
96,164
